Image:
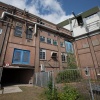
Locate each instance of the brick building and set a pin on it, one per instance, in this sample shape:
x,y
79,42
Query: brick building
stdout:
x,y
85,29
29,44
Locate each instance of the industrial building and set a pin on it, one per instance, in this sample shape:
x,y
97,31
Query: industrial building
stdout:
x,y
29,44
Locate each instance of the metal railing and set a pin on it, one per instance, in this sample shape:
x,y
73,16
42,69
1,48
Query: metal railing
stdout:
x,y
93,26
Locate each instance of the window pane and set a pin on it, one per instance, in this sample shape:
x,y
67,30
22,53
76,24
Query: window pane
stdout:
x,y
18,31
69,47
48,41
42,39
17,56
26,57
54,42
61,44
48,34
29,34
63,57
21,56
42,54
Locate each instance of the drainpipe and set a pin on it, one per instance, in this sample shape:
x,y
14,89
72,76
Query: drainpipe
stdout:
x,y
35,29
4,39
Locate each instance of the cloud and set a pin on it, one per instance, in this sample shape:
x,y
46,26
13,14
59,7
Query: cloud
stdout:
x,y
50,10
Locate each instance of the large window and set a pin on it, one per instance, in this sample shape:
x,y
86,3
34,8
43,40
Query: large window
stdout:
x,y
48,40
54,42
42,54
63,57
69,47
18,29
21,56
42,38
29,33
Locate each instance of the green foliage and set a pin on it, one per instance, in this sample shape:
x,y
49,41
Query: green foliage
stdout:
x,y
66,93
67,76
51,92
71,62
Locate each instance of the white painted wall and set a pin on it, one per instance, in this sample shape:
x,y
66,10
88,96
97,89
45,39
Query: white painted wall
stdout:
x,y
91,23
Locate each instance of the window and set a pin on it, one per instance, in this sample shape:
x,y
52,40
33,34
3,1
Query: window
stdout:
x,y
54,42
0,31
69,47
29,33
62,44
42,39
21,56
42,54
18,30
48,34
63,57
54,35
48,41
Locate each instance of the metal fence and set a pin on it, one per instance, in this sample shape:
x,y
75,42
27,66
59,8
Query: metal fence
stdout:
x,y
42,78
85,80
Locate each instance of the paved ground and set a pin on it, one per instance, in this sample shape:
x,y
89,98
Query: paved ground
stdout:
x,y
10,89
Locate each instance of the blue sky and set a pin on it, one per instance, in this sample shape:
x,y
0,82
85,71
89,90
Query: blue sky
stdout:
x,y
78,5
54,10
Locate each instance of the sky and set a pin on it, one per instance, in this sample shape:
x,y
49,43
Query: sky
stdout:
x,y
54,11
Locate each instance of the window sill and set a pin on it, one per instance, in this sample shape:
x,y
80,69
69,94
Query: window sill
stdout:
x,y
43,60
29,38
17,36
20,64
62,47
64,62
43,41
48,43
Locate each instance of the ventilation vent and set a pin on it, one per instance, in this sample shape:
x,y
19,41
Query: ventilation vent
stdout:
x,y
54,55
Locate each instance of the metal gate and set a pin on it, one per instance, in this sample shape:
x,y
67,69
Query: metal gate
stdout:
x,y
42,78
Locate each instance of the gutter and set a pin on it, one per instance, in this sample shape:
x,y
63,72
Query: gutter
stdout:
x,y
6,13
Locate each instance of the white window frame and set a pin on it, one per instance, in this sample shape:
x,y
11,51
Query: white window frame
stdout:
x,y
43,50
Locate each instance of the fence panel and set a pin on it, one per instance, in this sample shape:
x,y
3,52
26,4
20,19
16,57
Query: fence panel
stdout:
x,y
42,78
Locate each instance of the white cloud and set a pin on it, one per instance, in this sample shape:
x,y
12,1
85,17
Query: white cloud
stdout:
x,y
50,10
